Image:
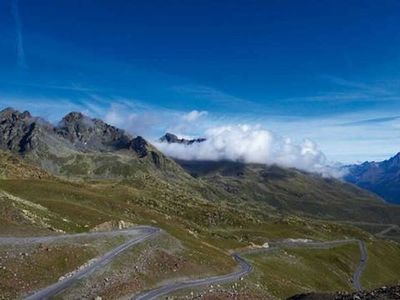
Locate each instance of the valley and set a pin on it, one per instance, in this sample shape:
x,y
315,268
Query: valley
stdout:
x,y
91,192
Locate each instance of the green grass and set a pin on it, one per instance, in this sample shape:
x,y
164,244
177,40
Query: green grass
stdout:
x,y
285,272
43,266
145,266
208,230
383,266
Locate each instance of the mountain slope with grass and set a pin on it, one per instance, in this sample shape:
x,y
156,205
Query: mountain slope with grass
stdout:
x,y
290,191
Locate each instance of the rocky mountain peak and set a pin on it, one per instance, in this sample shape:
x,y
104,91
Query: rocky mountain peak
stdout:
x,y
75,136
13,114
92,134
18,130
74,116
171,138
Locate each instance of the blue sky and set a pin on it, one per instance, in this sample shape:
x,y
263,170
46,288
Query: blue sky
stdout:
x,y
324,70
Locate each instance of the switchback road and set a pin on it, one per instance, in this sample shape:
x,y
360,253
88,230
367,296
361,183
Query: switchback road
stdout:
x,y
139,234
142,233
245,268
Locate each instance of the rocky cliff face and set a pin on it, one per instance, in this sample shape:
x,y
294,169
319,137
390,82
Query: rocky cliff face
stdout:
x,y
16,130
92,134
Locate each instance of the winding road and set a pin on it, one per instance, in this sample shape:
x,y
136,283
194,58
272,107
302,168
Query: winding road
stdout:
x,y
142,233
245,268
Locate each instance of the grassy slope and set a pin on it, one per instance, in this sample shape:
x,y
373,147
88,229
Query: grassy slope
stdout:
x,y
208,227
284,273
87,205
383,264
145,266
29,267
291,191
12,166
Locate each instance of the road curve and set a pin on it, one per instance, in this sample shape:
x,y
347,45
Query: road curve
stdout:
x,y
245,268
146,232
52,290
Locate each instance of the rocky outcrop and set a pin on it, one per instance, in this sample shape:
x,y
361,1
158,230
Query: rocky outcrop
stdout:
x,y
21,133
139,145
92,134
17,130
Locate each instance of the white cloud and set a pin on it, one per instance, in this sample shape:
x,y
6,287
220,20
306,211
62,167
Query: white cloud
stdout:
x,y
251,144
194,115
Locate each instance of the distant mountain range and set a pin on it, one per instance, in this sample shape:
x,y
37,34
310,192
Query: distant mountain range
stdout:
x,y
382,178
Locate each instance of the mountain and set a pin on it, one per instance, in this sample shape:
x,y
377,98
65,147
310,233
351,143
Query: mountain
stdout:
x,y
80,147
382,178
173,139
290,191
83,148
83,174
92,134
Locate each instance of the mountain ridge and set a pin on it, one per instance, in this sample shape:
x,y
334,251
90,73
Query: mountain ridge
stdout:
x,y
89,149
381,178
78,145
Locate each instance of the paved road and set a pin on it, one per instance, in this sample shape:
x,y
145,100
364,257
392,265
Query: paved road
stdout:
x,y
382,234
326,245
140,234
361,266
45,239
245,268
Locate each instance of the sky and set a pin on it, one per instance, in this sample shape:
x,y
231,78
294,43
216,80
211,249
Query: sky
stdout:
x,y
320,72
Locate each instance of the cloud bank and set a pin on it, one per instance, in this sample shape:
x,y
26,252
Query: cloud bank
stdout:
x,y
251,144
